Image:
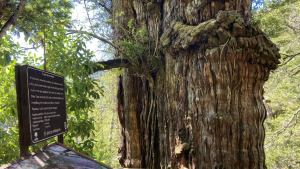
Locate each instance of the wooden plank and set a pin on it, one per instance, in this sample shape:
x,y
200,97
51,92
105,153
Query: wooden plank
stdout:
x,y
56,156
60,138
25,105
24,150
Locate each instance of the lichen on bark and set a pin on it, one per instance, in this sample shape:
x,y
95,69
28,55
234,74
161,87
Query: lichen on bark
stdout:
x,y
228,28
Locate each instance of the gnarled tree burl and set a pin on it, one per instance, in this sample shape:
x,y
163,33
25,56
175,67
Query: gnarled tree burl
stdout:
x,y
194,98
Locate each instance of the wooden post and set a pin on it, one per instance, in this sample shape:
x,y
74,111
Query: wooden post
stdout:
x,y
24,150
60,138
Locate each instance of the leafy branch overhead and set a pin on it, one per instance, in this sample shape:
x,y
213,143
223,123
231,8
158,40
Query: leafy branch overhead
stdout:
x,y
133,50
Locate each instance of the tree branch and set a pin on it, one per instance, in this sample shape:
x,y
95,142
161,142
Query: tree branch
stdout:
x,y
291,27
99,38
128,62
110,64
289,57
275,135
24,48
13,18
295,68
105,41
105,7
87,12
122,63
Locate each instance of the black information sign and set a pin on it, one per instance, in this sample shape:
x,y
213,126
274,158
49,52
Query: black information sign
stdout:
x,y
42,103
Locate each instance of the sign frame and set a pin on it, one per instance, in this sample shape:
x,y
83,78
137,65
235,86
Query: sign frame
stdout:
x,y
24,106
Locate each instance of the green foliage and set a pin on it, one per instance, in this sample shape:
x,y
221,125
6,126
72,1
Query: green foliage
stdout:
x,y
72,60
39,16
69,57
141,51
8,50
66,55
106,121
134,50
136,43
9,146
280,20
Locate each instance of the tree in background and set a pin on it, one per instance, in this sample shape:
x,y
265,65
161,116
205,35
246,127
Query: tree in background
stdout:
x,y
107,126
280,20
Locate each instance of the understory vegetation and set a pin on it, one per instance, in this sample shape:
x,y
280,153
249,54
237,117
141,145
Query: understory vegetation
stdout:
x,y
93,122
280,21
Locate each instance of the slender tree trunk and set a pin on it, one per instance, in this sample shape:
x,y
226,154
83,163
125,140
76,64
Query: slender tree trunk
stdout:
x,y
204,107
13,18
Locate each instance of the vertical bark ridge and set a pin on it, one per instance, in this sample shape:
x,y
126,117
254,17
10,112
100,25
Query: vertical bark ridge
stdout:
x,y
132,109
161,121
226,103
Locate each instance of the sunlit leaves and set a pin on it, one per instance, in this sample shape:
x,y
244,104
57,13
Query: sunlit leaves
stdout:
x,y
106,120
8,50
9,145
66,55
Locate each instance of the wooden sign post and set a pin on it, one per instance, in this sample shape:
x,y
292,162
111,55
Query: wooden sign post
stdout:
x,y
41,106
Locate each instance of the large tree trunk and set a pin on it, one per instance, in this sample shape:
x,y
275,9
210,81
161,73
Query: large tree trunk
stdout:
x,y
204,107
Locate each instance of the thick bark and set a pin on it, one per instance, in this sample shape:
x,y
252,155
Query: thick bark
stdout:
x,y
204,107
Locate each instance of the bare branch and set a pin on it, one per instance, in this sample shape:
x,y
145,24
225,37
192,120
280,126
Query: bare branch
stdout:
x,y
291,27
87,12
283,129
295,68
13,18
23,48
110,64
122,63
288,58
105,7
26,48
295,73
99,38
105,41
